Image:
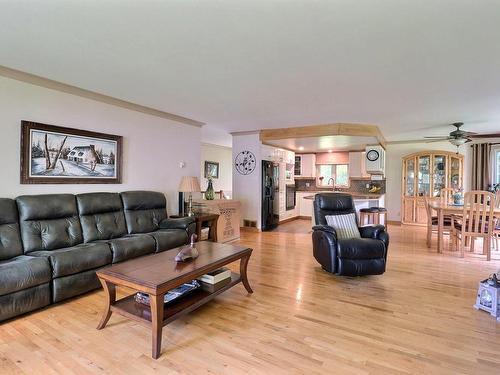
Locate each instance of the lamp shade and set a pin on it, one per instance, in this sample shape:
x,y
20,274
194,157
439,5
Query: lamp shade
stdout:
x,y
189,184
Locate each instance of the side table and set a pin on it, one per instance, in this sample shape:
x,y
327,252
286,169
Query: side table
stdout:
x,y
204,220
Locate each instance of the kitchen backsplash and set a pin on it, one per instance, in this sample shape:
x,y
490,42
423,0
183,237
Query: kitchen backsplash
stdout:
x,y
357,185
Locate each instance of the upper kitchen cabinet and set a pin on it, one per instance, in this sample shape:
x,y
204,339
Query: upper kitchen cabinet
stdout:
x,y
305,165
357,165
277,154
424,175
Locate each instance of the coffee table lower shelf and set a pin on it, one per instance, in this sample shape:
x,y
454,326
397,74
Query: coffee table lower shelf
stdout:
x,y
128,307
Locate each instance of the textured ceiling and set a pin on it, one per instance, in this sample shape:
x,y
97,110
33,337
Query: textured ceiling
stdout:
x,y
407,66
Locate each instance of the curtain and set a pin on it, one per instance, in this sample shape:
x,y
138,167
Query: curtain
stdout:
x,y
481,166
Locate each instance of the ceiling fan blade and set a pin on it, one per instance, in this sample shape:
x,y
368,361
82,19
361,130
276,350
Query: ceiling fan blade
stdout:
x,y
436,140
438,136
468,134
490,135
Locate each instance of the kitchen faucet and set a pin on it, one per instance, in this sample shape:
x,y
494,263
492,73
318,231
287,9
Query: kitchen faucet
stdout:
x,y
333,183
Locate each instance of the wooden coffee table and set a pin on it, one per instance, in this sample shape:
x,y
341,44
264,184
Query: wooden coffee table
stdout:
x,y
158,273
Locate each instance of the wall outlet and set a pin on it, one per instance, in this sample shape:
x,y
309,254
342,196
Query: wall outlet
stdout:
x,y
308,184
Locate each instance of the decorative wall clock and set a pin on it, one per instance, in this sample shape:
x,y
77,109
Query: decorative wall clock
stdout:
x,y
372,155
245,162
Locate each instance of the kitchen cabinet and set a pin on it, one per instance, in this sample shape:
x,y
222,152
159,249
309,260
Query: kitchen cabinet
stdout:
x,y
357,165
424,175
304,205
307,165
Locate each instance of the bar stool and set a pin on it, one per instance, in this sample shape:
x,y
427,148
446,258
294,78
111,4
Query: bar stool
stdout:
x,y
372,215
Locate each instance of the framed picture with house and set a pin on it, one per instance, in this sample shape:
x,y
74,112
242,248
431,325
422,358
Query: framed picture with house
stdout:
x,y
58,155
211,169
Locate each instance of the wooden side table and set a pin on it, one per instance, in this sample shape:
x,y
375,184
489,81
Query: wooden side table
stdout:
x,y
204,220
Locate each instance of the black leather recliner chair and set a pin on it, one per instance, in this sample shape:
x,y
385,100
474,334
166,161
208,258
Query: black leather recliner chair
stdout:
x,y
347,257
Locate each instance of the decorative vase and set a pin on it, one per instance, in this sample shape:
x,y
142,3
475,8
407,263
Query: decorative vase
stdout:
x,y
210,194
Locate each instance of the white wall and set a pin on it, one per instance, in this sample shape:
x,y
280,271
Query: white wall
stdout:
x,y
394,165
223,156
152,147
247,188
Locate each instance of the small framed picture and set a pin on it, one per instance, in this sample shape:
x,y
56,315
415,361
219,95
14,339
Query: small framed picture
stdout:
x,y
211,169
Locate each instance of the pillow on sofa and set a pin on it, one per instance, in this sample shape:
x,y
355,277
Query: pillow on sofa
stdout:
x,y
345,225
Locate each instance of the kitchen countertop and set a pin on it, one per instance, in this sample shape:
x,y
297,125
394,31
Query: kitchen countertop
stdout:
x,y
354,195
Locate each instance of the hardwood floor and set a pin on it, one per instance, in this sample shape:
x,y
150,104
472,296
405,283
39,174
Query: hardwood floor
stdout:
x,y
417,318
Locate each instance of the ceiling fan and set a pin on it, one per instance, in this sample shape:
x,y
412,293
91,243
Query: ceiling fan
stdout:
x,y
456,137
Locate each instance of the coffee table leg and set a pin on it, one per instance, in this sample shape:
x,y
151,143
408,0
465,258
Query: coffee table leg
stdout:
x,y
110,291
243,273
156,323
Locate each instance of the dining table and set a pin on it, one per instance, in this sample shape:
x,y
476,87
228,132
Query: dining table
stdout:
x,y
445,208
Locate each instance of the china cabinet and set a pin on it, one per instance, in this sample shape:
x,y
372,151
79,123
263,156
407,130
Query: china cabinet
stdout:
x,y
424,175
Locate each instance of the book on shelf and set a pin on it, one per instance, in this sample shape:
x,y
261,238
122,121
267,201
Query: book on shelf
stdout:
x,y
171,295
216,276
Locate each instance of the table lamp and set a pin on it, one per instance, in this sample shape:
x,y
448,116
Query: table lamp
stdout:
x,y
189,184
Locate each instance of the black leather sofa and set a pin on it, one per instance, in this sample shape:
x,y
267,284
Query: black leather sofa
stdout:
x,y
51,245
347,257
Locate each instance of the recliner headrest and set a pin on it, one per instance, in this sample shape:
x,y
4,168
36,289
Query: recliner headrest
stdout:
x,y
334,201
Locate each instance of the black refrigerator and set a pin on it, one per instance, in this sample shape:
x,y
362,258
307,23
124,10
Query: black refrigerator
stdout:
x,y
270,190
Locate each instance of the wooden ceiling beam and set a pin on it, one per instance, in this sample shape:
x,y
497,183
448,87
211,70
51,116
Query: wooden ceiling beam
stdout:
x,y
354,130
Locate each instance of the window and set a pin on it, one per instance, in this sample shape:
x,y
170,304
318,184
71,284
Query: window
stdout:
x,y
338,172
496,164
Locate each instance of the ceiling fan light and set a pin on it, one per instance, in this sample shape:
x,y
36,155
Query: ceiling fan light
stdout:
x,y
458,141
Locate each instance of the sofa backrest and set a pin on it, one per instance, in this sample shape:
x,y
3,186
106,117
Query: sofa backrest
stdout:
x,y
144,210
10,239
332,204
101,216
49,221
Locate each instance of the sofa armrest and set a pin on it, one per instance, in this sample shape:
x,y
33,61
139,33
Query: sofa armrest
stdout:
x,y
376,232
177,223
324,240
371,231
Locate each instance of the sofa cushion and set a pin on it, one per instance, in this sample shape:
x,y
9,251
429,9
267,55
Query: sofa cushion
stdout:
x,y
48,222
24,301
166,239
131,247
10,238
144,210
360,248
101,216
72,260
23,272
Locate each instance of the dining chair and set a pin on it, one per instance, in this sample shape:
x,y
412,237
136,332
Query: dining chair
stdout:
x,y
476,222
433,221
446,195
496,228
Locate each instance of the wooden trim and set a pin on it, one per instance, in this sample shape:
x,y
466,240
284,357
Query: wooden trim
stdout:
x,y
364,130
280,147
304,217
92,95
394,222
288,220
27,126
250,229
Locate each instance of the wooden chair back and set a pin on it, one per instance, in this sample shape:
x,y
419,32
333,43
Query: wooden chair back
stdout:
x,y
497,199
446,195
478,212
428,209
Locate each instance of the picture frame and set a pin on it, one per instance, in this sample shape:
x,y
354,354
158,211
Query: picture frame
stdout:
x,y
211,169
53,154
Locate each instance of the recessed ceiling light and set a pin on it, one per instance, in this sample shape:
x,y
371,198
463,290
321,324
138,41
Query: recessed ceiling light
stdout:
x,y
301,148
330,151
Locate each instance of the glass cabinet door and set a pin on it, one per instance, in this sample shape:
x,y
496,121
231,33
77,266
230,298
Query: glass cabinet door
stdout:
x,y
455,182
410,178
439,175
424,176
